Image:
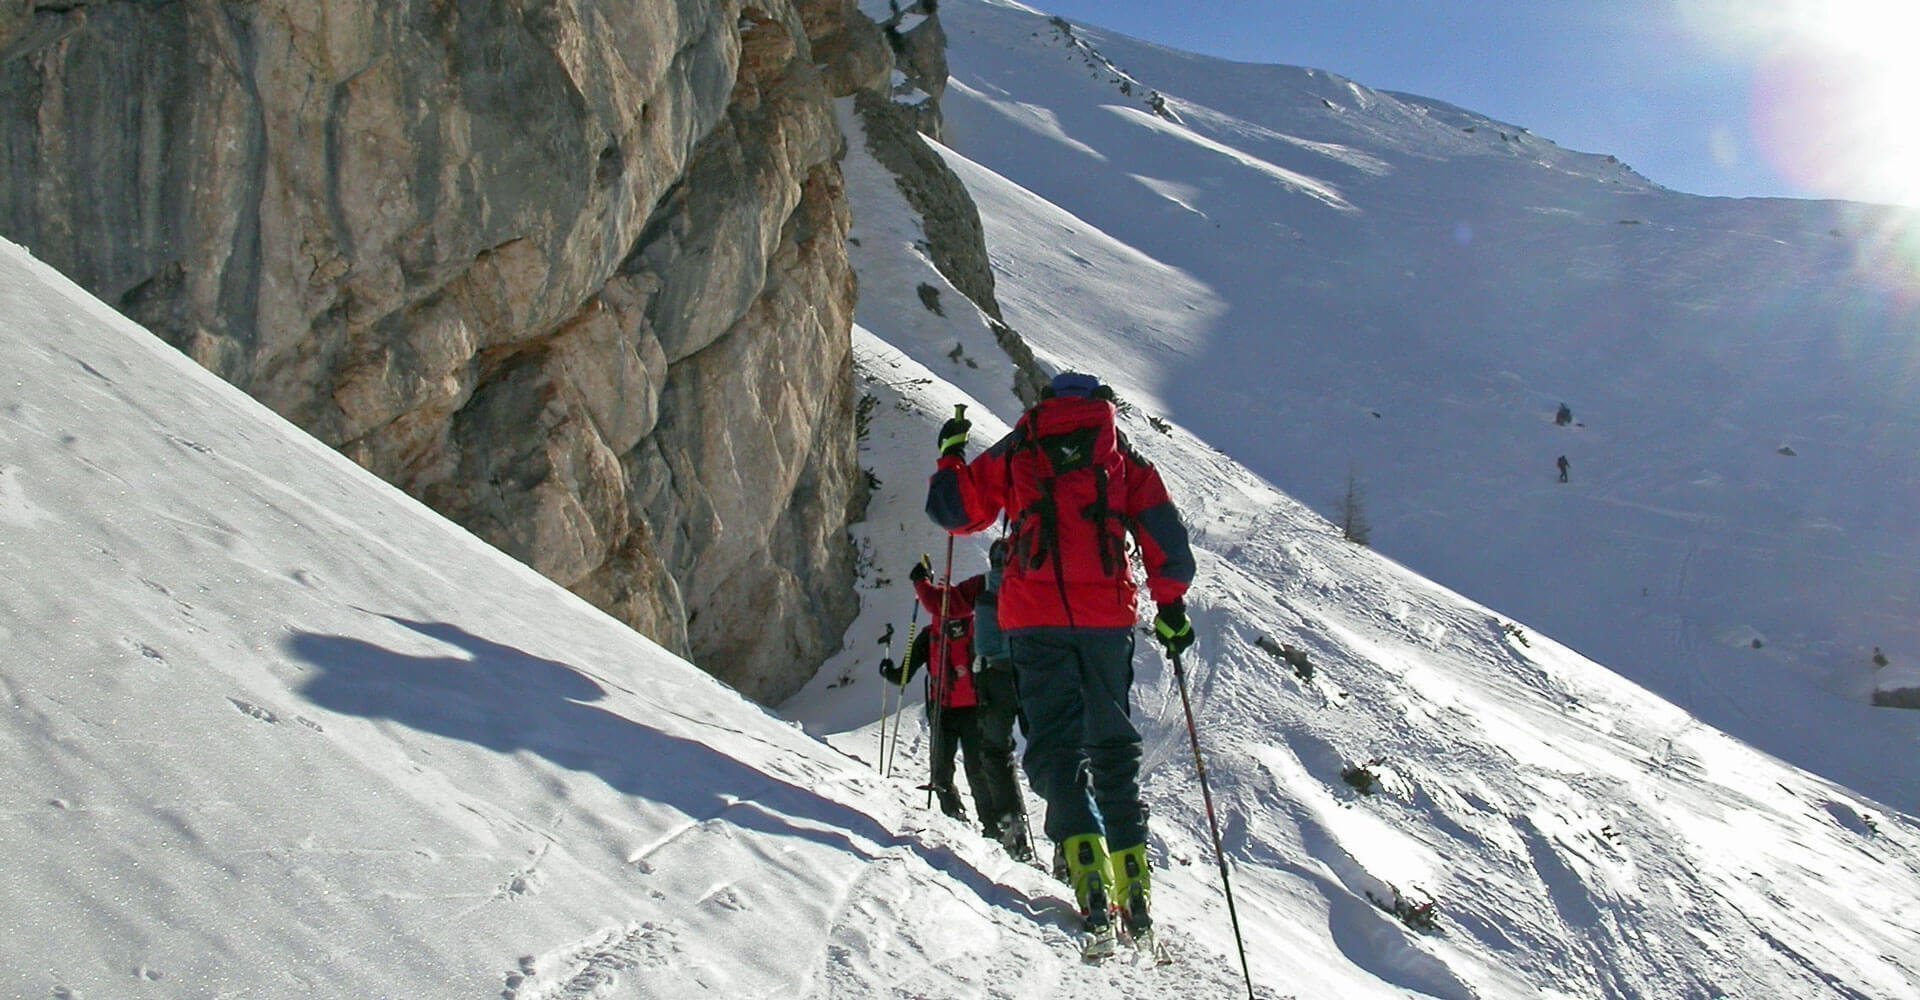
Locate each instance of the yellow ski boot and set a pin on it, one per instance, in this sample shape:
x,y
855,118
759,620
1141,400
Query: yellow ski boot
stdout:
x,y
1132,897
1092,880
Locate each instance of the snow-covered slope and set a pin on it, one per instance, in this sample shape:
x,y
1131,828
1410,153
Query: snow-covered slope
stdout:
x,y
1319,278
273,729
1580,836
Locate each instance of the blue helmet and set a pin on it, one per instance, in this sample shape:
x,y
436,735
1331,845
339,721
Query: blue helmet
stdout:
x,y
1075,385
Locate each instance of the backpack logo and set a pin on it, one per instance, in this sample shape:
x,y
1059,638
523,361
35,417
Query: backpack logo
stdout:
x,y
1070,451
1067,530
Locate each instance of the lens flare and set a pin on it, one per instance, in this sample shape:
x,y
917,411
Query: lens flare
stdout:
x,y
1835,82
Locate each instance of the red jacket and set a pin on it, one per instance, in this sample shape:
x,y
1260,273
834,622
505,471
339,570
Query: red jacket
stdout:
x,y
1089,584
950,660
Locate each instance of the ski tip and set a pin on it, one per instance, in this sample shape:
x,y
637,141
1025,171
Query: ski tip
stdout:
x,y
1098,946
1148,949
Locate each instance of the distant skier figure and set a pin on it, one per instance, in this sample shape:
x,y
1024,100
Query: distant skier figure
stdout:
x,y
1074,490
1879,658
1564,417
1564,466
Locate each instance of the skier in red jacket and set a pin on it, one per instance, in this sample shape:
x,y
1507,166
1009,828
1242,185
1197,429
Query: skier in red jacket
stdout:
x,y
1073,492
975,715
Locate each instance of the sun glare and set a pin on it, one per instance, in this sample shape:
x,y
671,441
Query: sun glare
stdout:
x,y
1836,95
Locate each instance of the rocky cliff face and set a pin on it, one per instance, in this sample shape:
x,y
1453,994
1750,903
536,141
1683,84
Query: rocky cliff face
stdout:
x,y
894,124
571,271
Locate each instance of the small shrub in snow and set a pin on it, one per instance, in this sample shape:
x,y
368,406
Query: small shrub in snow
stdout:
x,y
930,297
1515,633
1160,424
1352,511
863,415
864,564
1362,776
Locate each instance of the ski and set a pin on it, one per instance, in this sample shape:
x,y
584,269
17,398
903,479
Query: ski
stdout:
x,y
1147,947
1099,944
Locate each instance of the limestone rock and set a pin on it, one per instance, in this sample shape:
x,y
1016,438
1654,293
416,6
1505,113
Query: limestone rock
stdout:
x,y
955,238
572,273
920,50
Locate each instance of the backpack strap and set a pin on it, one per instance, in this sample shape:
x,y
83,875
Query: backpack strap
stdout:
x,y
1099,512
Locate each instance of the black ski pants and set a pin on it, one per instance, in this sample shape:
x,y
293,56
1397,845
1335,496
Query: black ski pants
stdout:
x,y
1083,752
984,736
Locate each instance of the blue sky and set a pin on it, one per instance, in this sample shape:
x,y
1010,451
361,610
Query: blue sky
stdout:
x,y
1721,97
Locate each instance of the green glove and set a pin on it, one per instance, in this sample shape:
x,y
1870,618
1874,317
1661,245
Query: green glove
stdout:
x,y
1172,628
953,436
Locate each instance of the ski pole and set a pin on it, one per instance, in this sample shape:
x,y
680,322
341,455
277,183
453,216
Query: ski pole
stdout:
x,y
899,702
886,663
880,753
1206,795
940,642
913,627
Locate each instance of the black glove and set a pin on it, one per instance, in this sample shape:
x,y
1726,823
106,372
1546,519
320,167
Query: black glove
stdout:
x,y
919,572
1172,628
953,436
892,672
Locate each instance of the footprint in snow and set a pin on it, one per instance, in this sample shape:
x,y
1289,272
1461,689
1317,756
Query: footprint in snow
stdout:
x,y
593,967
249,708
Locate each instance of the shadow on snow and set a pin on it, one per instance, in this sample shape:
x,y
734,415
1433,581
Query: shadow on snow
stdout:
x,y
508,700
